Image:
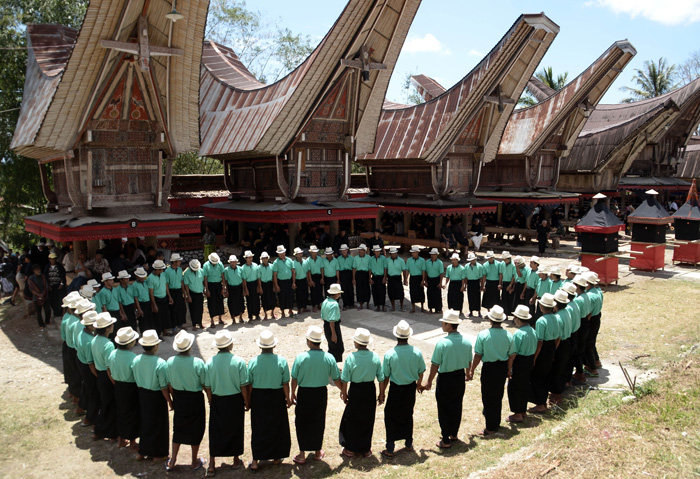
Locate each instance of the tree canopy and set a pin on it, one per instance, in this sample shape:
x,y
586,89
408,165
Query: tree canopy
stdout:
x,y
546,76
654,79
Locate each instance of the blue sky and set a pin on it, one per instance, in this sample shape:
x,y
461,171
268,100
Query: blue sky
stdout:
x,y
449,37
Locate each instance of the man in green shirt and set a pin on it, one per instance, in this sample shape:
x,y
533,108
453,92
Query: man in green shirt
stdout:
x,y
345,268
251,290
160,302
507,286
414,278
378,270
434,272
360,276
555,279
452,358
593,291
310,372
283,277
530,293
583,301
403,368
330,268
521,274
542,286
266,286
548,333
83,336
173,283
107,297
330,314
474,274
213,288
520,362
493,280
455,280
301,283
314,276
193,288
395,268
126,393
142,299
127,310
233,289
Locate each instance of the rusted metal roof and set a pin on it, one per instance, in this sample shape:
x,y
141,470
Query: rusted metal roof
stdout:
x,y
244,119
427,131
689,166
539,90
528,128
427,87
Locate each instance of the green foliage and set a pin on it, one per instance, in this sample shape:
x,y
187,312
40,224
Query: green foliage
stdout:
x,y
546,76
193,164
266,49
653,80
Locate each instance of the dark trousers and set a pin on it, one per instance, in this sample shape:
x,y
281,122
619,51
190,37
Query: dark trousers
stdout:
x,y
449,395
474,295
517,291
316,291
46,309
557,377
56,296
302,293
348,289
146,320
335,349
177,309
590,355
196,308
161,319
529,292
583,332
493,380
507,300
519,383
130,312
378,290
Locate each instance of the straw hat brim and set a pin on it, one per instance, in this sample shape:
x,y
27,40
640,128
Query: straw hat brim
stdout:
x,y
182,350
219,346
317,341
143,343
410,333
529,316
267,346
497,320
124,343
363,343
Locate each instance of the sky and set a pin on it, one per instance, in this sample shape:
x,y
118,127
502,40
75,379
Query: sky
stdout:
x,y
449,37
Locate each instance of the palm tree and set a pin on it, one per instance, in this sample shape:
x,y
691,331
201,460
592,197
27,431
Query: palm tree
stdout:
x,y
653,80
546,76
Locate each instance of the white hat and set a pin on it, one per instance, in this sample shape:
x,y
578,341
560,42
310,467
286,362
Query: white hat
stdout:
x,y
103,320
194,265
314,334
376,247
569,287
183,341
496,314
561,296
599,196
362,336
403,330
328,251
455,256
518,260
522,312
123,275
70,299
232,258
573,267
87,291
266,340
89,318
149,338
505,255
313,249
434,251
214,258
651,192
175,257
125,336
450,316
535,259
580,281
343,247
298,250
543,270
335,289
158,264
590,277
393,250
490,254
582,269
547,300
53,256
555,270
363,246
140,273
222,339
106,276
415,249
264,254
248,254
471,257
281,249
84,305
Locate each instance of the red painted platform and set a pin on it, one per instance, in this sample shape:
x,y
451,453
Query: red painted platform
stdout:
x,y
647,256
606,269
687,253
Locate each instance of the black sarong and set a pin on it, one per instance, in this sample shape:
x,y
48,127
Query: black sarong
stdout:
x,y
557,376
252,301
235,300
78,378
196,308
316,291
226,423
269,299
455,296
493,381
519,383
529,292
130,312
398,412
394,287
348,289
583,331
189,418
146,321
415,289
539,379
362,287
434,294
64,358
286,293
89,393
590,353
301,293
161,319
491,294
155,424
357,424
215,301
269,424
70,370
517,291
572,355
126,396
178,311
474,295
449,394
335,349
310,420
106,425
507,300
378,290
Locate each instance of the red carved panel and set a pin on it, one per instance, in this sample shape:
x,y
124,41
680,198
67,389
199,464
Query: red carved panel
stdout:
x,y
137,105
113,109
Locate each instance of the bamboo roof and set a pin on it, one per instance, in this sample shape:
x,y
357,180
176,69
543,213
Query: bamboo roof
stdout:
x,y
689,166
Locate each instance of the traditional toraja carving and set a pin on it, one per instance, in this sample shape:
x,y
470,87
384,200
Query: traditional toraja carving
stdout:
x,y
117,99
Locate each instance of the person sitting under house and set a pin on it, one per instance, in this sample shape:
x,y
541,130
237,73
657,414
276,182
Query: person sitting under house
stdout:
x,y
476,233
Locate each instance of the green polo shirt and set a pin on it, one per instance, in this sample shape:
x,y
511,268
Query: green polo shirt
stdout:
x,y
123,295
395,267
508,271
312,368
300,268
265,272
362,367
455,273
596,297
194,280
226,374
173,277
415,267
575,315
473,272
186,373
543,286
98,304
139,291
157,284
554,286
547,328
584,304
492,271
150,372
330,267
67,329
119,365
314,265
452,353
108,298
84,346
565,323
330,311
533,279
361,263
525,272
250,273
75,330
213,272
524,341
268,371
62,328
345,263
283,268
233,276
403,364
433,269
101,348
494,344
377,265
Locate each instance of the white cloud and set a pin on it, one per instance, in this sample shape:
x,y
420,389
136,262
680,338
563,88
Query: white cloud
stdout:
x,y
669,12
475,53
427,44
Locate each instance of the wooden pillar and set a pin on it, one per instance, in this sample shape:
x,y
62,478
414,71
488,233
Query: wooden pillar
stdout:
x,y
92,247
293,230
378,221
407,218
607,202
438,226
334,227
499,214
466,221
79,246
567,208
242,233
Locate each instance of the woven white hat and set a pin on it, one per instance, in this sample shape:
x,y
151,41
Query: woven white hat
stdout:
x,y
140,272
281,249
264,255
555,270
434,251
298,250
561,296
195,265
213,259
590,277
376,247
471,257
183,341
403,330
175,257
535,259
222,339
490,254
363,246
328,251
569,287
125,336
266,340
84,305
232,258
123,275
522,312
455,256
106,276
518,260
87,291
580,281
149,338
450,316
71,299
313,249
362,336
393,250
505,255
547,300
158,264
314,334
344,247
415,249
89,318
248,254
104,319
496,314
335,289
